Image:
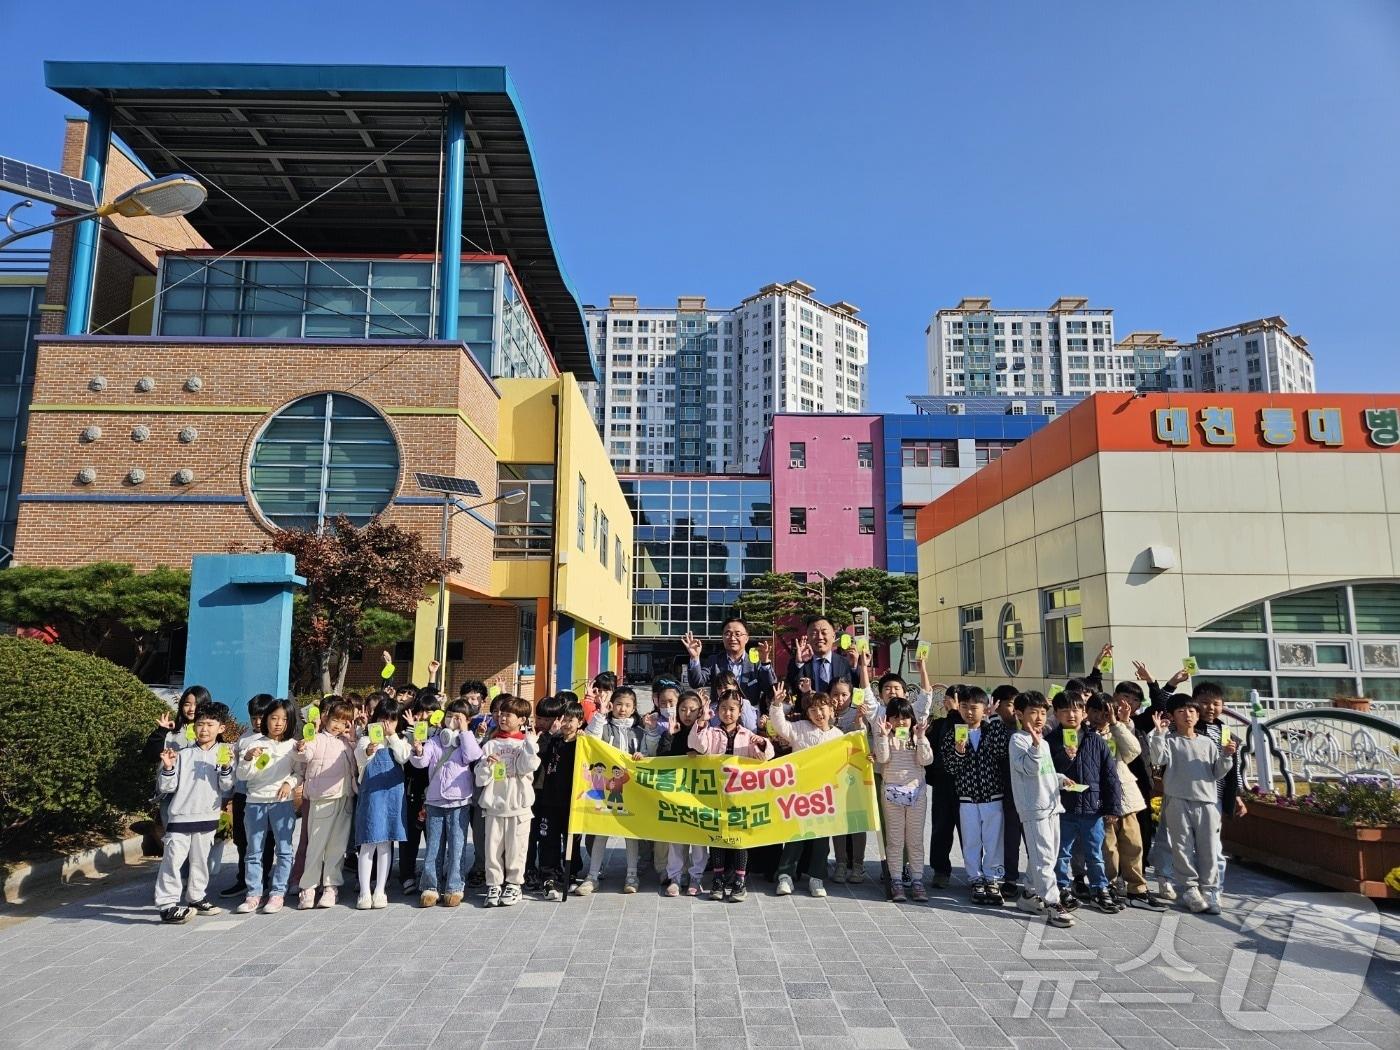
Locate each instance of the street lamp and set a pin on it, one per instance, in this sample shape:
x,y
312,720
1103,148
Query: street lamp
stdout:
x,y
451,507
163,198
820,587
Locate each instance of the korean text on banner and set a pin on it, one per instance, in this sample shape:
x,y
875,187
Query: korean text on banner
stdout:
x,y
722,800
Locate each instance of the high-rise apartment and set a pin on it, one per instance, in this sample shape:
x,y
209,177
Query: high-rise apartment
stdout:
x,y
1259,356
1067,350
691,389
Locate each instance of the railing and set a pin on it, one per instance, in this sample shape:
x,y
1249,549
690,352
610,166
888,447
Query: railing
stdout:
x,y
24,260
1315,743
516,542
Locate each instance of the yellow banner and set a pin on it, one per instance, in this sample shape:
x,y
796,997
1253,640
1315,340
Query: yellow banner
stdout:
x,y
723,801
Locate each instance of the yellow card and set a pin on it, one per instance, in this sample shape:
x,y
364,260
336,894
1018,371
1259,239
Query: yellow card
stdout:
x,y
1106,665
264,760
420,731
753,656
493,692
921,651
862,644
313,714
387,673
435,718
1113,747
1071,738
308,731
902,733
1190,666
845,641
960,734
189,732
1224,735
1055,690
376,733
498,772
225,755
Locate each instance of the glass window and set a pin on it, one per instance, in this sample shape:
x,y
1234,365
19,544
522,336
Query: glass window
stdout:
x,y
1386,689
525,530
1231,654
797,454
911,522
321,456
867,520
1377,608
1311,612
1249,621
1310,688
865,454
970,618
1011,640
582,511
1064,632
1236,687
923,453
797,519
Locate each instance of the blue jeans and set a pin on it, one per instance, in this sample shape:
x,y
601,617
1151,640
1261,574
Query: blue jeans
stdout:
x,y
446,832
1076,828
280,819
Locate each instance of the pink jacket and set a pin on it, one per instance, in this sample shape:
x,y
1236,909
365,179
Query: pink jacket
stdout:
x,y
711,740
327,765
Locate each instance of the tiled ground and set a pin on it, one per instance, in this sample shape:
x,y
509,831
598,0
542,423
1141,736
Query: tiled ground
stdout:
x,y
622,972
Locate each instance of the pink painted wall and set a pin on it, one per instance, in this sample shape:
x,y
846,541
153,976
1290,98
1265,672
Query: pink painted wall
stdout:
x,y
833,487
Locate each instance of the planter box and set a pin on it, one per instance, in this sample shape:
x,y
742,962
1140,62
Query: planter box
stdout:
x,y
1317,848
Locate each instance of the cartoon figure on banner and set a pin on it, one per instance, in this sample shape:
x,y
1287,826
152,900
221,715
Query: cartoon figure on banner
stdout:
x,y
614,785
597,783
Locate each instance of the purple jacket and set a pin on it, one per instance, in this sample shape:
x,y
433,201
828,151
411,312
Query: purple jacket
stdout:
x,y
450,783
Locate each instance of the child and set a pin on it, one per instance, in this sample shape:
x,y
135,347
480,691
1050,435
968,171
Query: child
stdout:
x,y
850,849
616,724
265,763
447,757
1004,697
728,738
415,790
1210,703
506,790
483,725
683,861
902,753
547,712
1192,767
239,887
556,781
196,779
975,754
1122,841
943,798
326,764
1037,788
819,727
1083,757
379,817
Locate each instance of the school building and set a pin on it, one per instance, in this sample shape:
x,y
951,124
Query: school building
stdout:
x,y
1257,533
371,291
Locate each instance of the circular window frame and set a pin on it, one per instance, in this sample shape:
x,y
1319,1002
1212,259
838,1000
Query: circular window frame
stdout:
x,y
255,508
1006,617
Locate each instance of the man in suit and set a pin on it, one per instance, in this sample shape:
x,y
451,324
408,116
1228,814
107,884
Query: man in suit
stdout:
x,y
818,661
754,678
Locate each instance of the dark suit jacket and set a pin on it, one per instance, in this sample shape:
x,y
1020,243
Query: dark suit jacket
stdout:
x,y
840,668
753,679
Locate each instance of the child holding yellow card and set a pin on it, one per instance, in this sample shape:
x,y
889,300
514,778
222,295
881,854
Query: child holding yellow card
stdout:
x,y
1082,755
1229,791
379,817
975,753
326,763
265,764
902,753
505,781
446,757
196,779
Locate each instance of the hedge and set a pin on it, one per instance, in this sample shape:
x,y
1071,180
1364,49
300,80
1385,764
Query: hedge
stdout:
x,y
71,731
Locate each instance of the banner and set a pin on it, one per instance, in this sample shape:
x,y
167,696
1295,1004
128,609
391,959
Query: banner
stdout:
x,y
723,801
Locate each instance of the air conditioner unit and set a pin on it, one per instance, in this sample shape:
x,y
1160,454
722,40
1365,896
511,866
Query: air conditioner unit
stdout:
x,y
797,464
957,410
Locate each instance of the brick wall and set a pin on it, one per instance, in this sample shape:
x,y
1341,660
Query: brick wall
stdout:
x,y
491,645
258,378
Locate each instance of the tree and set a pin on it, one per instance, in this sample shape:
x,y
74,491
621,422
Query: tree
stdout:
x,y
88,604
353,576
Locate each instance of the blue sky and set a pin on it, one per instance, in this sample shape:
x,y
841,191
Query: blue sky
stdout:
x,y
1190,164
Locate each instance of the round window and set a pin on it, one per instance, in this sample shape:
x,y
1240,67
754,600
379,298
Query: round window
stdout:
x,y
323,456
1012,641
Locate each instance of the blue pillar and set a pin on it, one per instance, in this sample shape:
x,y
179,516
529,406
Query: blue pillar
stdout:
x,y
84,264
454,185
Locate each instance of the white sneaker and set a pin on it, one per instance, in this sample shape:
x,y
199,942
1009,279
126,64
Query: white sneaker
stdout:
x,y
365,903
1028,902
380,900
1166,890
1213,902
784,886
585,887
510,895
815,888
1192,899
249,906
493,896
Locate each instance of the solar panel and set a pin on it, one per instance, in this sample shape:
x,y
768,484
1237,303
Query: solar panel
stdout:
x,y
30,180
443,483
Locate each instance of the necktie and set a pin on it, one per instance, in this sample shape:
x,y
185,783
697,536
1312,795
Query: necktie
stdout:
x,y
824,676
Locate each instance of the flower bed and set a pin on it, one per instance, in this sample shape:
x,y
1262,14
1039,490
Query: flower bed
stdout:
x,y
1345,835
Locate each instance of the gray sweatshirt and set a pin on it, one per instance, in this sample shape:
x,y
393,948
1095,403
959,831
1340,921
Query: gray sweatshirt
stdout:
x,y
1191,765
196,786
1035,785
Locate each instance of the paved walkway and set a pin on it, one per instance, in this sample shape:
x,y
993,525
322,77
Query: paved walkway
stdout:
x,y
621,972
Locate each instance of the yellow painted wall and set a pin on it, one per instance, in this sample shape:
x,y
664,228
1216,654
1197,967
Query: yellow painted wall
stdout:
x,y
588,589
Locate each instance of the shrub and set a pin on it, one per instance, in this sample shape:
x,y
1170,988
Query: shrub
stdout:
x,y
1357,801
71,731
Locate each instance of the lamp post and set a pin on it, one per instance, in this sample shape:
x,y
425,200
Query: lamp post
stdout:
x,y
165,198
824,579
451,507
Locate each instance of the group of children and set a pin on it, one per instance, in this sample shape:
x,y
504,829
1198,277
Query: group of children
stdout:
x,y
317,787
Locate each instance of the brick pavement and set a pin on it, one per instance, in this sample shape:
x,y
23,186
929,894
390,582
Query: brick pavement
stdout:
x,y
621,972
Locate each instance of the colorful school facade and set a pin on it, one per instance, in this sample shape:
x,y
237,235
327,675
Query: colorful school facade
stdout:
x,y
1256,533
390,324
